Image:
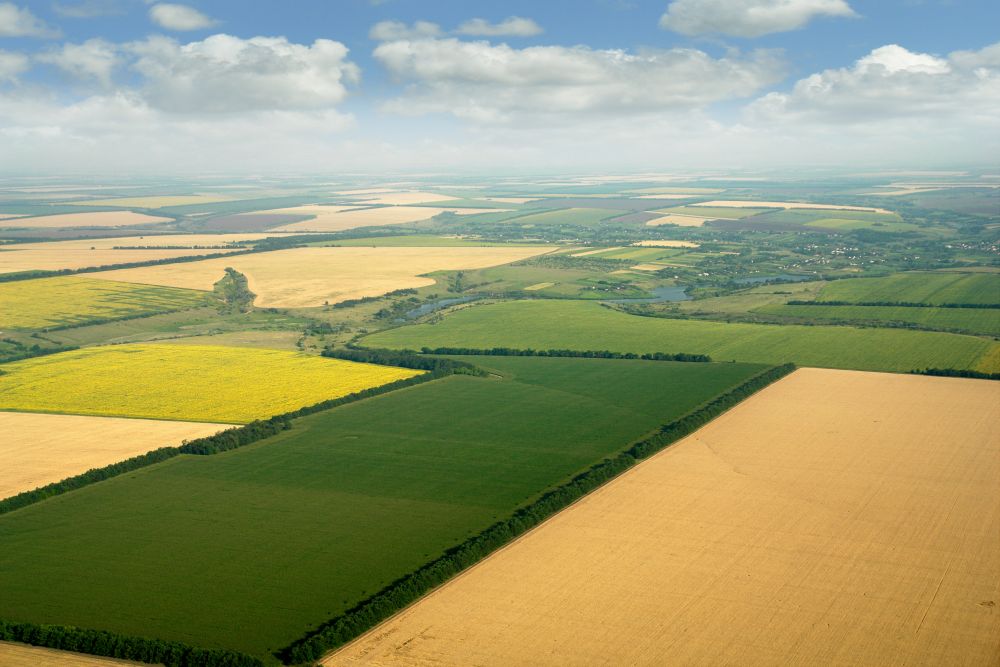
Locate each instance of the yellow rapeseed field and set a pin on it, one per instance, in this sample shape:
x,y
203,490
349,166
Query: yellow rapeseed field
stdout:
x,y
50,302
202,383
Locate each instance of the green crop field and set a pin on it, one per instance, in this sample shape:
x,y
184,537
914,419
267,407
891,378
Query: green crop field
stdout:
x,y
567,216
250,549
927,287
73,301
715,211
589,326
984,321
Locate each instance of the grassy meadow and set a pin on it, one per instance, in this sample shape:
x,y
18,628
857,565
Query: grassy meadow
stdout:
x,y
184,382
251,548
75,301
590,326
984,321
931,288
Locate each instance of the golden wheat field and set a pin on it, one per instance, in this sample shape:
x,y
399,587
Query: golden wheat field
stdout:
x,y
726,203
72,300
306,277
22,655
202,383
678,219
836,517
39,449
340,218
94,219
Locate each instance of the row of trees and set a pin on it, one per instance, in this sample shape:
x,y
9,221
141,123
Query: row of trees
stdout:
x,y
405,359
956,373
406,590
113,645
349,303
30,275
584,354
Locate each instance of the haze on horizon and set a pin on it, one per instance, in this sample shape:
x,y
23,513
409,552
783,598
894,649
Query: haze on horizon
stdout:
x,y
142,87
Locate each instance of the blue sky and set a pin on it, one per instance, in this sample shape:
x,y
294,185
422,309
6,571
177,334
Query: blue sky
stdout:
x,y
593,84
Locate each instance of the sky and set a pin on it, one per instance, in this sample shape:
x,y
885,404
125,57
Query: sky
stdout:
x,y
450,86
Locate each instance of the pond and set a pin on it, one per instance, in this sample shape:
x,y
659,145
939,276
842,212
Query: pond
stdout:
x,y
660,294
438,305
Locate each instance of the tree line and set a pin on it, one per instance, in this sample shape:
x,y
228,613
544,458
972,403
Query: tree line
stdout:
x,y
956,373
125,647
584,354
409,588
349,303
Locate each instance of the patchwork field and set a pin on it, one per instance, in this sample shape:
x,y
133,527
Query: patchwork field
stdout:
x,y
305,277
833,518
679,219
713,212
567,216
340,218
72,301
932,288
183,382
786,204
96,219
342,504
589,326
54,256
663,243
402,198
154,202
39,449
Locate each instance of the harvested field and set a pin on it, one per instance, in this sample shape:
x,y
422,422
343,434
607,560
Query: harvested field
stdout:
x,y
403,198
340,218
726,203
666,244
596,252
537,286
647,267
21,655
39,449
836,517
678,219
307,277
73,301
96,219
202,383
154,202
84,253
250,222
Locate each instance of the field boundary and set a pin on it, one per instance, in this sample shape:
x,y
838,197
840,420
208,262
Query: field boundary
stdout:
x,y
241,436
577,354
409,588
126,647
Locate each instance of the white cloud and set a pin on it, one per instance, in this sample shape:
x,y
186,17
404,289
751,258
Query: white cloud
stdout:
x,y
892,83
513,26
11,65
17,22
94,59
496,83
388,31
747,18
179,17
227,74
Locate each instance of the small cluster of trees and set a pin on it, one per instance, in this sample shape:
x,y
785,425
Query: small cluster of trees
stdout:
x,y
21,351
584,354
233,292
113,645
404,591
349,303
405,359
894,304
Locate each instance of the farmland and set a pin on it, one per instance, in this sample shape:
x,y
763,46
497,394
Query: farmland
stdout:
x,y
345,502
40,449
73,301
834,518
304,277
985,321
926,287
22,655
153,202
189,382
95,219
567,216
338,218
589,326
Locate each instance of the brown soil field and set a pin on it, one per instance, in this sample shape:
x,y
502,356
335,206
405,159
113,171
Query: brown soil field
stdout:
x,y
836,517
725,203
81,253
340,218
21,655
308,277
38,449
679,219
666,244
95,219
